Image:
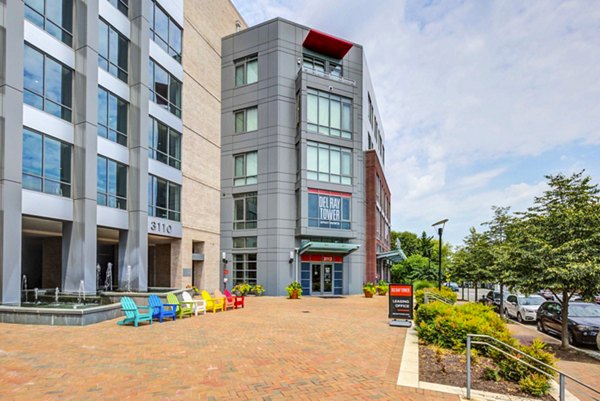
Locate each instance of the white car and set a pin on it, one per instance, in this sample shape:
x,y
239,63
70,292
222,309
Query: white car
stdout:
x,y
522,307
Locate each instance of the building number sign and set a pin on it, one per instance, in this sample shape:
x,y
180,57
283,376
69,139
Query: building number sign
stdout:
x,y
160,227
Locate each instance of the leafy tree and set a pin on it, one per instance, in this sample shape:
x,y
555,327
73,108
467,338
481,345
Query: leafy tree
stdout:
x,y
556,242
408,241
472,261
415,267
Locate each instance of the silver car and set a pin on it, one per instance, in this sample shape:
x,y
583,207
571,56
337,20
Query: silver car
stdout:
x,y
522,307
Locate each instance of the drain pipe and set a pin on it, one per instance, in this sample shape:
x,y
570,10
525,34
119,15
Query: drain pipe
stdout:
x,y
297,266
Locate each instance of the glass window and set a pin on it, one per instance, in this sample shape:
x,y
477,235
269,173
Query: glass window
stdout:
x,y
121,5
329,163
53,16
46,164
165,32
327,210
246,120
245,169
112,117
329,114
164,144
246,70
244,211
164,199
112,183
244,268
112,51
165,89
47,83
244,242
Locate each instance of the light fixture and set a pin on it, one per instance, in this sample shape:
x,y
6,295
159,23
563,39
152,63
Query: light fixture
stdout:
x,y
224,257
291,256
441,223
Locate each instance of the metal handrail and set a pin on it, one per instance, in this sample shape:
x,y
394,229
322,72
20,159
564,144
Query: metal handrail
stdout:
x,y
429,294
328,75
561,375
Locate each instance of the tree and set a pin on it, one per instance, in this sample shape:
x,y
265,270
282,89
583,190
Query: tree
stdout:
x,y
415,267
425,245
472,261
408,241
555,244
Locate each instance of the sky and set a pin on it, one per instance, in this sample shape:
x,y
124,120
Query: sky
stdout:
x,y
479,99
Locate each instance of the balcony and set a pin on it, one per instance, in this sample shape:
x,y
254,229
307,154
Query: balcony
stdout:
x,y
328,76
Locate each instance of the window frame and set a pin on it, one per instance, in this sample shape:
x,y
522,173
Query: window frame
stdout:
x,y
118,134
120,201
121,5
46,20
172,107
64,109
244,259
326,176
244,114
121,72
154,152
242,65
43,177
317,126
249,242
329,66
245,179
171,214
165,43
245,223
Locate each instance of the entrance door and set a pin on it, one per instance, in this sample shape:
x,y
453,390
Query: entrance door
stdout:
x,y
327,279
316,279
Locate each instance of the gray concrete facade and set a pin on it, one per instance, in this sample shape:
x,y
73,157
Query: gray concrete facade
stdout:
x,y
281,140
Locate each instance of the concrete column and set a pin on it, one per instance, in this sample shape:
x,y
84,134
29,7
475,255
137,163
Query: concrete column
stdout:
x,y
133,244
11,149
79,237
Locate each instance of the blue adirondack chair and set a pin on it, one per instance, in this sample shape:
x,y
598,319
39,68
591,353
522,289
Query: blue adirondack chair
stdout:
x,y
160,310
132,313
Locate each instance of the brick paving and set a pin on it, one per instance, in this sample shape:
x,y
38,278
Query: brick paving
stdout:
x,y
274,349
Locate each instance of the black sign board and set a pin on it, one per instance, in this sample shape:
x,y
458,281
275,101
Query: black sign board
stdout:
x,y
401,301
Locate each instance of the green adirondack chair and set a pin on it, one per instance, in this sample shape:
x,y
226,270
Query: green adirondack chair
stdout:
x,y
183,307
132,313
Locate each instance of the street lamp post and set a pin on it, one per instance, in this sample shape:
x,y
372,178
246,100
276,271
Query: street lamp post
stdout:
x,y
440,223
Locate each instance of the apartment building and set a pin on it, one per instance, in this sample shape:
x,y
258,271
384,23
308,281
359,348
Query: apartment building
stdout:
x,y
109,140
299,122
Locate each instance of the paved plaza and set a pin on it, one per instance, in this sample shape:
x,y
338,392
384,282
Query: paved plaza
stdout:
x,y
274,349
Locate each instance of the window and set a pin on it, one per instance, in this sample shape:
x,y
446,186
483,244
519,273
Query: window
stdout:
x,y
244,211
329,163
165,32
121,5
377,189
246,70
164,144
328,210
370,110
112,117
112,51
329,114
165,89
246,120
244,268
314,64
244,242
370,142
322,66
164,199
112,183
46,164
245,169
53,16
47,83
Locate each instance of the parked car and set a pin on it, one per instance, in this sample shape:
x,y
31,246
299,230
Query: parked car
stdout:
x,y
452,286
492,298
546,294
523,308
584,321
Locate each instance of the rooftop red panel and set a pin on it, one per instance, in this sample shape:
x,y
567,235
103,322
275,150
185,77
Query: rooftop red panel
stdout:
x,y
326,44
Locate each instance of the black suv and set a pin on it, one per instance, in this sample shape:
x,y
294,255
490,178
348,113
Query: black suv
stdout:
x,y
584,321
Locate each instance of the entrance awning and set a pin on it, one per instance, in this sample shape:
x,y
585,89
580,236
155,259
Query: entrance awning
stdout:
x,y
396,256
328,247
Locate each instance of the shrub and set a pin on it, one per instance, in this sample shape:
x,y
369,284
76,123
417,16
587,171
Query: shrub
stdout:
x,y
420,284
491,374
382,287
512,369
241,288
369,287
535,384
258,290
294,286
445,293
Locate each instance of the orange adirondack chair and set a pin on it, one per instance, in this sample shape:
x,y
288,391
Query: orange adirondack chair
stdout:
x,y
229,303
238,301
213,303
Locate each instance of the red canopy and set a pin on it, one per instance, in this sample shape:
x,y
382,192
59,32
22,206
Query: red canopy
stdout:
x,y
326,44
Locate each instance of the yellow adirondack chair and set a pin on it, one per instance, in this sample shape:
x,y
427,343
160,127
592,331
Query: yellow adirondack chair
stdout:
x,y
229,302
213,303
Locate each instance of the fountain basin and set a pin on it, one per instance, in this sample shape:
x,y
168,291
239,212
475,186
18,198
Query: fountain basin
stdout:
x,y
59,315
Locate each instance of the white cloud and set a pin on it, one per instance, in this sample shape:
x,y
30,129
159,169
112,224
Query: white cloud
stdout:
x,y
460,84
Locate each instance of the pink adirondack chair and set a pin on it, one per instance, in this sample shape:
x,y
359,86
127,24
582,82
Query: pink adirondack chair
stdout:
x,y
238,301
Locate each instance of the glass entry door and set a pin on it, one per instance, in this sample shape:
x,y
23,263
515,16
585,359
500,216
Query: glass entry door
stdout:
x,y
322,279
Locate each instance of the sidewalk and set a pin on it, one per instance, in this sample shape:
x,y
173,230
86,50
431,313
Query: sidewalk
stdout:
x,y
574,363
274,349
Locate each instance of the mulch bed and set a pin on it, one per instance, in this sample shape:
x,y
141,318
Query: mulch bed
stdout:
x,y
449,368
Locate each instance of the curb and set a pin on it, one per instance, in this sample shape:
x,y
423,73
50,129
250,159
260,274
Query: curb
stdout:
x,y
408,376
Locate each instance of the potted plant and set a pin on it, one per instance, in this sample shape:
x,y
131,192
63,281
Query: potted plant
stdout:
x,y
241,289
258,290
382,287
369,289
294,290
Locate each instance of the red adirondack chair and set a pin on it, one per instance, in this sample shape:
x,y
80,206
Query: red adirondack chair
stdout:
x,y
237,300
